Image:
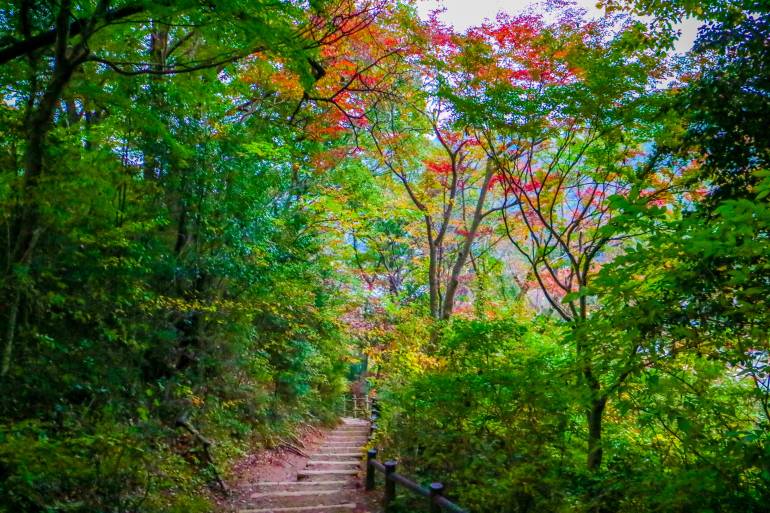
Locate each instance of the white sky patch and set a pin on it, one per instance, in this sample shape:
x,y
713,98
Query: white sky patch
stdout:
x,y
462,14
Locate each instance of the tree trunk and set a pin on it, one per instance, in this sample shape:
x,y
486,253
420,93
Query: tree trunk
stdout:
x,y
10,333
465,251
594,416
433,283
595,411
25,229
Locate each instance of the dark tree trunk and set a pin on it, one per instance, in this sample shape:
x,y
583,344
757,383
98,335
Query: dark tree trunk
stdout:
x,y
465,251
25,226
433,281
594,417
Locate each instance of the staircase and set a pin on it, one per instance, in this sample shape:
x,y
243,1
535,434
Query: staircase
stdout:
x,y
328,483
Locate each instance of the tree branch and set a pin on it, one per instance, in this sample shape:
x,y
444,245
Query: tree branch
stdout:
x,y
46,39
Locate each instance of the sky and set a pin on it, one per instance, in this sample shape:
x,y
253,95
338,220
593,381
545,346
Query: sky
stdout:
x,y
467,13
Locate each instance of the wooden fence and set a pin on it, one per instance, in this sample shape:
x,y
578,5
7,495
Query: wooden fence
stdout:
x,y
434,493
359,407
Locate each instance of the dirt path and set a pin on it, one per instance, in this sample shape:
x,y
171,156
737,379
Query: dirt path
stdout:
x,y
329,481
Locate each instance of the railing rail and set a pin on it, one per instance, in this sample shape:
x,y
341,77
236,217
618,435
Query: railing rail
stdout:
x,y
435,493
355,406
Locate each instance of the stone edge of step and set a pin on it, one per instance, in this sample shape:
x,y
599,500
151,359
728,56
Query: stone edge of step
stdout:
x,y
347,505
301,493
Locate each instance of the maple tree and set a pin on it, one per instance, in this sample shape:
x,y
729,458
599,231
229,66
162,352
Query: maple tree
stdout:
x,y
449,189
560,107
446,181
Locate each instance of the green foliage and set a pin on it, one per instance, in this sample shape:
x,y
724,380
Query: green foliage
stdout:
x,y
163,262
499,419
673,346
103,467
493,419
728,106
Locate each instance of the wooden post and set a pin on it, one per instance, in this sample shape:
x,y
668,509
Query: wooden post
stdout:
x,y
436,489
371,454
390,485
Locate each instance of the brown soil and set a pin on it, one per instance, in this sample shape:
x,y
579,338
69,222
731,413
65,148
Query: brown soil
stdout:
x,y
277,464
281,464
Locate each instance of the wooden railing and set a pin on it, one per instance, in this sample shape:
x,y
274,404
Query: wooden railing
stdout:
x,y
434,493
356,406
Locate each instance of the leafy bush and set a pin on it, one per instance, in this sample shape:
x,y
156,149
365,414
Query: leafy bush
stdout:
x,y
500,421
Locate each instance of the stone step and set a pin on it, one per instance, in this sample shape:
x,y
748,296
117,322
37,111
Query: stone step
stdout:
x,y
332,508
333,464
350,461
329,483
289,486
301,493
341,450
325,475
287,483
337,455
299,499
338,450
323,467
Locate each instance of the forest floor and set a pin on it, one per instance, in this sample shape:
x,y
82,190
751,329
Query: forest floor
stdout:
x,y
327,479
